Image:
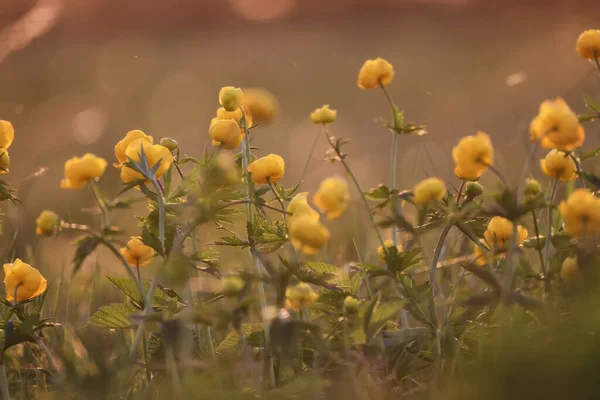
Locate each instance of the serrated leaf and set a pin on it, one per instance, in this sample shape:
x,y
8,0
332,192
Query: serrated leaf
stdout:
x,y
85,247
232,340
231,241
130,289
380,193
381,315
322,268
114,316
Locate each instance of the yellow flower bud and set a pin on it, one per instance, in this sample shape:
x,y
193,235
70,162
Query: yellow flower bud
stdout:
x,y
225,133
132,136
169,143
351,305
473,189
231,285
136,252
231,97
7,134
374,73
154,154
261,104
472,156
236,115
389,245
79,170
333,197
308,234
482,257
588,44
46,223
569,271
532,188
429,191
300,296
27,281
269,168
499,232
4,161
559,165
581,213
323,115
556,126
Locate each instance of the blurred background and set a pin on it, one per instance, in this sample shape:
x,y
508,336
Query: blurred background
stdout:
x,y
76,75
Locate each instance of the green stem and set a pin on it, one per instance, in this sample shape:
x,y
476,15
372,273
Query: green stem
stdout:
x,y
144,344
364,270
578,168
100,201
4,381
312,150
539,248
597,60
507,289
246,156
172,366
279,200
549,229
460,191
161,213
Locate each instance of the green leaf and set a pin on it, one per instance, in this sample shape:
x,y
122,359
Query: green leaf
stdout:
x,y
231,241
591,178
186,186
232,340
591,104
590,154
85,246
322,268
382,314
130,289
380,193
113,316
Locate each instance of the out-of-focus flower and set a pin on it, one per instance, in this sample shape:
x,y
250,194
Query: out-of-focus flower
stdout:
x,y
375,72
132,136
236,115
389,245
298,207
225,133
532,188
308,234
136,252
300,296
482,257
581,213
4,161
261,104
472,156
556,126
46,223
499,232
559,165
351,305
7,134
79,170
154,154
27,281
231,285
169,143
588,44
569,270
231,97
333,197
323,115
429,191
267,169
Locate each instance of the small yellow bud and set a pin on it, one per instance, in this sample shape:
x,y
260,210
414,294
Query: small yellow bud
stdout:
x,y
429,191
169,143
231,97
569,271
266,169
532,188
46,223
588,44
231,285
300,296
351,305
389,245
29,280
473,189
136,252
323,115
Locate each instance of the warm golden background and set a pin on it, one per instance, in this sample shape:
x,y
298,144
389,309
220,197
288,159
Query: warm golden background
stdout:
x,y
76,75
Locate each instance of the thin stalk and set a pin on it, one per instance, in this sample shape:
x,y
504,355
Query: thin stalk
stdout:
x,y
362,266
507,289
525,171
539,248
161,213
549,230
463,183
597,60
279,200
144,343
578,168
100,201
4,381
246,155
499,174
312,150
173,368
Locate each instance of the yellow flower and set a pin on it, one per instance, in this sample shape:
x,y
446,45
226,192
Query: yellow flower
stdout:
x,y
261,104
4,161
28,279
300,296
7,134
154,154
351,305
271,167
323,115
389,244
231,285
236,115
333,196
482,257
472,156
499,232
588,43
299,207
375,72
46,223
136,252
569,271
559,165
132,136
79,170
231,97
556,126
308,234
225,133
429,191
581,213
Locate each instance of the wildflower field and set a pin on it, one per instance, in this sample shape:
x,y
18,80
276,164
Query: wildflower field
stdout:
x,y
501,304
